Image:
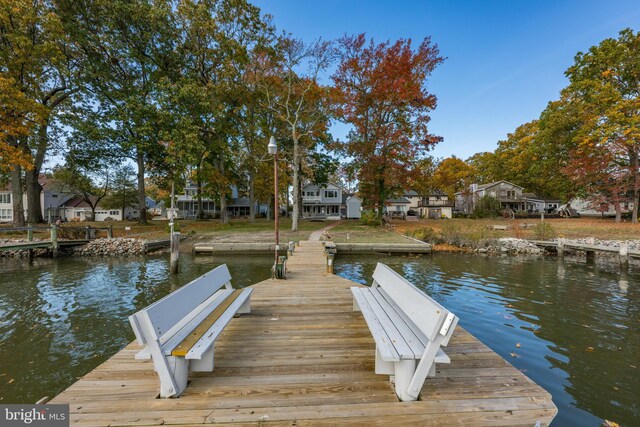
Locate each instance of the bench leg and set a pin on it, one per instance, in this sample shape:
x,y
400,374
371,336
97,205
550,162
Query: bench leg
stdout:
x,y
245,307
203,365
179,369
382,367
404,371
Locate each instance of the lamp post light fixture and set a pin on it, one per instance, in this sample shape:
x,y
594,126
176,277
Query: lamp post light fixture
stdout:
x,y
273,149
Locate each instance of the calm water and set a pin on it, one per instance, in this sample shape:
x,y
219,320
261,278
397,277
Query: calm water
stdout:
x,y
578,325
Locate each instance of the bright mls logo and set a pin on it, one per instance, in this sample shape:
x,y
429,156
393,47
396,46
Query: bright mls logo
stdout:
x,y
34,415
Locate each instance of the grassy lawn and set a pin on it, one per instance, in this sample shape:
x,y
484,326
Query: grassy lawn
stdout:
x,y
605,229
355,232
241,230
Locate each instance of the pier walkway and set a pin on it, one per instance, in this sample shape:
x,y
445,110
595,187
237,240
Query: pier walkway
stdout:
x,y
304,357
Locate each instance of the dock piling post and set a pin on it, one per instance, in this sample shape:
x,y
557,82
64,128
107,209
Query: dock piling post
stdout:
x,y
54,240
110,232
30,239
591,255
561,241
330,262
624,255
175,252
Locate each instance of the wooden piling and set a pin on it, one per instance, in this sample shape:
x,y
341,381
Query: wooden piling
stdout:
x,y
175,252
624,255
561,242
54,240
30,239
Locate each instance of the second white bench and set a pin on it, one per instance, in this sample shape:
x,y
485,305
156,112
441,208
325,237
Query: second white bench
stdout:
x,y
408,326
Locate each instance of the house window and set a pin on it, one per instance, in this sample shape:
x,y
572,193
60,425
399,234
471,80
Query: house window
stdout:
x,y
78,214
113,212
331,194
333,209
5,198
6,214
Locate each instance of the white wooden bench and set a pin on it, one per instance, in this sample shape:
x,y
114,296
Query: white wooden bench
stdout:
x,y
179,330
409,328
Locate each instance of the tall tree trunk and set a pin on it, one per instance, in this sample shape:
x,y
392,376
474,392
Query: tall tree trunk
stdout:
x,y
636,183
296,182
252,196
618,208
224,218
199,211
142,202
16,196
33,187
381,197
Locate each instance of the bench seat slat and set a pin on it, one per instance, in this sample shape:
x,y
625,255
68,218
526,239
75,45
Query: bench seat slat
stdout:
x,y
211,334
391,330
417,332
406,328
385,347
196,333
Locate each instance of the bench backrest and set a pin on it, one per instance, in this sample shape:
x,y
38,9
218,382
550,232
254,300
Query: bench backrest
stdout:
x,y
173,308
428,315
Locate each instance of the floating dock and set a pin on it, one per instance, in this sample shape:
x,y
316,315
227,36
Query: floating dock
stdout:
x,y
303,357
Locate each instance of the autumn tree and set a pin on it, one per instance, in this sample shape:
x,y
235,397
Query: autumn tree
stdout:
x,y
296,97
381,90
39,67
453,175
604,91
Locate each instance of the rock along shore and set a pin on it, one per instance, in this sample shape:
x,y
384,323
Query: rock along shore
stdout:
x,y
99,247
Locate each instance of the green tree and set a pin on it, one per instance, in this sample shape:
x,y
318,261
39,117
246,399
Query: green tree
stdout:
x,y
91,187
122,192
604,91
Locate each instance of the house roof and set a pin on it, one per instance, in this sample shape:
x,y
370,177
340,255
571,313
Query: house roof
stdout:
x,y
78,202
399,201
411,193
492,184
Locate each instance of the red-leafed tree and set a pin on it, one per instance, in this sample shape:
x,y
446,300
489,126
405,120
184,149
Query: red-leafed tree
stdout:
x,y
381,90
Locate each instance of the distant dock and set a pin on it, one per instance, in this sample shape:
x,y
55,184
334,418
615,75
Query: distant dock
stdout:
x,y
303,357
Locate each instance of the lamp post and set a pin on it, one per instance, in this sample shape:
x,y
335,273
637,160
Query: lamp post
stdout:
x,y
273,149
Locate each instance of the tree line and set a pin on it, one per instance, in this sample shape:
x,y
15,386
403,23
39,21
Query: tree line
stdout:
x,y
194,89
586,143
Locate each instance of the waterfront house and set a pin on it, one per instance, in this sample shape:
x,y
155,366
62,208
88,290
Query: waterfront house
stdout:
x,y
509,195
322,202
435,206
51,198
535,204
237,207
397,207
77,209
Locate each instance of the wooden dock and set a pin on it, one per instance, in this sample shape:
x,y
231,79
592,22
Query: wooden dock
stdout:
x,y
304,357
344,248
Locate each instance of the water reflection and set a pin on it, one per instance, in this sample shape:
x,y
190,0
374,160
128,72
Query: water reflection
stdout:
x,y
577,325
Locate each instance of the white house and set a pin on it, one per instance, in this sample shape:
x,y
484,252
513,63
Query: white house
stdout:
x,y
321,202
398,207
535,204
51,198
585,207
77,209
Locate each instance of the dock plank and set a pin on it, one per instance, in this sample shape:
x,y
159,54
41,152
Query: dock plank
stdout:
x,y
303,357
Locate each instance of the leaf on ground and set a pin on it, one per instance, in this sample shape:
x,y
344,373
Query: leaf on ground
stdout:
x,y
608,423
10,381
590,349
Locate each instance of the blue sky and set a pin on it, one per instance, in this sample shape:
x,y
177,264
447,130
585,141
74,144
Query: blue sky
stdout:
x,y
505,59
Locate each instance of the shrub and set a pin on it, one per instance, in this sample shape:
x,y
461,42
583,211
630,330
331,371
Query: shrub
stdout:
x,y
487,207
370,218
426,234
544,231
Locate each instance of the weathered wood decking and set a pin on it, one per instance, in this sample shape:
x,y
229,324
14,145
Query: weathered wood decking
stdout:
x,y
303,357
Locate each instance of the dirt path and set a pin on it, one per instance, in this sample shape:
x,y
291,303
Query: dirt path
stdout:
x,y
315,236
